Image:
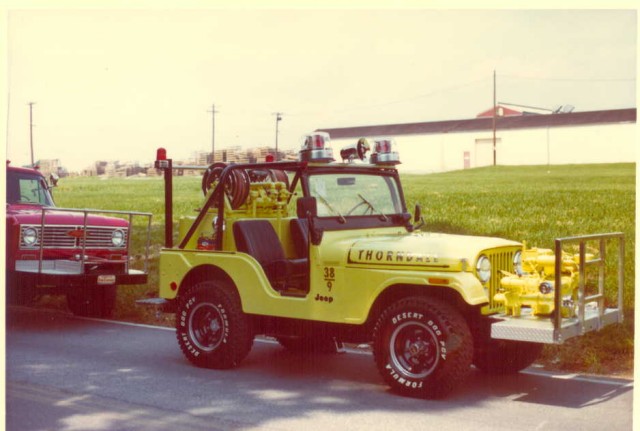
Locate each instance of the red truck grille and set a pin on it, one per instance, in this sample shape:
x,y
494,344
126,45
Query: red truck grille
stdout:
x,y
57,236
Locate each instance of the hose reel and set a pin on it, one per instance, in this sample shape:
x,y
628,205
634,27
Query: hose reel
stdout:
x,y
236,187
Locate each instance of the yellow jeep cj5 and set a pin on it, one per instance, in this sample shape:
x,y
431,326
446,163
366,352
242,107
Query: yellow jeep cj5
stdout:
x,y
316,253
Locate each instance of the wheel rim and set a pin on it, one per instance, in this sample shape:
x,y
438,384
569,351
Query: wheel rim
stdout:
x,y
206,326
414,350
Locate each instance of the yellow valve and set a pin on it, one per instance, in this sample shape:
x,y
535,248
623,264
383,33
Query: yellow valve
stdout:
x,y
535,286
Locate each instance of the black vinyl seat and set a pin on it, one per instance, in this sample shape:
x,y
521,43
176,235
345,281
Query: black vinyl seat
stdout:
x,y
299,229
258,239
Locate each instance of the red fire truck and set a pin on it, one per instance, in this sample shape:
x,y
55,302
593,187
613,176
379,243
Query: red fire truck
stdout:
x,y
81,253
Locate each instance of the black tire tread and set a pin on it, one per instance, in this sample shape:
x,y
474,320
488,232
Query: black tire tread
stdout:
x,y
241,338
460,350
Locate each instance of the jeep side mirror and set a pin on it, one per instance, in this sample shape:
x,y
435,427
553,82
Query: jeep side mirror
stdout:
x,y
307,208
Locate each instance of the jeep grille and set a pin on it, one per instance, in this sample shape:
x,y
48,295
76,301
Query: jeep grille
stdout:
x,y
500,261
69,237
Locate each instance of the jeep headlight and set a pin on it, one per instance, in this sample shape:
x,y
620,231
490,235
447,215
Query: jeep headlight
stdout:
x,y
117,238
517,263
29,236
483,268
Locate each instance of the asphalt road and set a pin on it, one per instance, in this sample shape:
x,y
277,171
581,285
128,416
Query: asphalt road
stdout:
x,y
67,373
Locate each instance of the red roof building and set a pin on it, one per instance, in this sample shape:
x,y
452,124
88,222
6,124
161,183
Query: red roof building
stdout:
x,y
607,136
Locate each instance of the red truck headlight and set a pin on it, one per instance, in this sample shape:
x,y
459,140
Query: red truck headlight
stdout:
x,y
118,238
29,236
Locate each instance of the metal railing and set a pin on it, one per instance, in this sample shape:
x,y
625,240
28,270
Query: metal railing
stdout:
x,y
584,264
85,213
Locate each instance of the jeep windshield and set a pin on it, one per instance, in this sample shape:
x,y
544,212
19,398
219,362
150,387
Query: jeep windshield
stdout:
x,y
23,188
355,194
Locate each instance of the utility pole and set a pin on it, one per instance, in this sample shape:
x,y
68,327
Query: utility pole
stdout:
x,y
494,117
31,131
278,119
8,118
213,132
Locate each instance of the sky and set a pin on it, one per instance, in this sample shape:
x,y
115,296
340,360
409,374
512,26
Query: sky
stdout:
x,y
116,84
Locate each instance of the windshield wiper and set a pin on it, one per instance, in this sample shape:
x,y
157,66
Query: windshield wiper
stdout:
x,y
341,218
373,209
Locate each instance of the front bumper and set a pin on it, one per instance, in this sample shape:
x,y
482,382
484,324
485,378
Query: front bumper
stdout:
x,y
537,330
588,313
60,275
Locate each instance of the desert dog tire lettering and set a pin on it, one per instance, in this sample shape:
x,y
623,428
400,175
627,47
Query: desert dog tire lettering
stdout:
x,y
422,347
211,328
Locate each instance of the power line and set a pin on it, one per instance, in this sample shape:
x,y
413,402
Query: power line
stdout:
x,y
534,78
421,96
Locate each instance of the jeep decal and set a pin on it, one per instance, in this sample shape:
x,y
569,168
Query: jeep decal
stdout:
x,y
394,257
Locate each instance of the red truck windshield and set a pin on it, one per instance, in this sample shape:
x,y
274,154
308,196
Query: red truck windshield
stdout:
x,y
23,188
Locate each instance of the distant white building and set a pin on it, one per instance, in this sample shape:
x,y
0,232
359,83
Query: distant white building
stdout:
x,y
522,138
48,166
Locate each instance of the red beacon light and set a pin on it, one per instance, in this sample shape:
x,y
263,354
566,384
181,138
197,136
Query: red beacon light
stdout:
x,y
161,159
384,152
161,154
316,147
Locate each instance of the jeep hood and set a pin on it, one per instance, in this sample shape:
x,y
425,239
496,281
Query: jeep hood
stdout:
x,y
422,250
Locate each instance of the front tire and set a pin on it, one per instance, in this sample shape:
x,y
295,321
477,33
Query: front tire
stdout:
x,y
422,347
211,328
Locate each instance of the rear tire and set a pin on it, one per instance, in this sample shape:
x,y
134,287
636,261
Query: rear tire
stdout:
x,y
422,347
93,301
211,328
